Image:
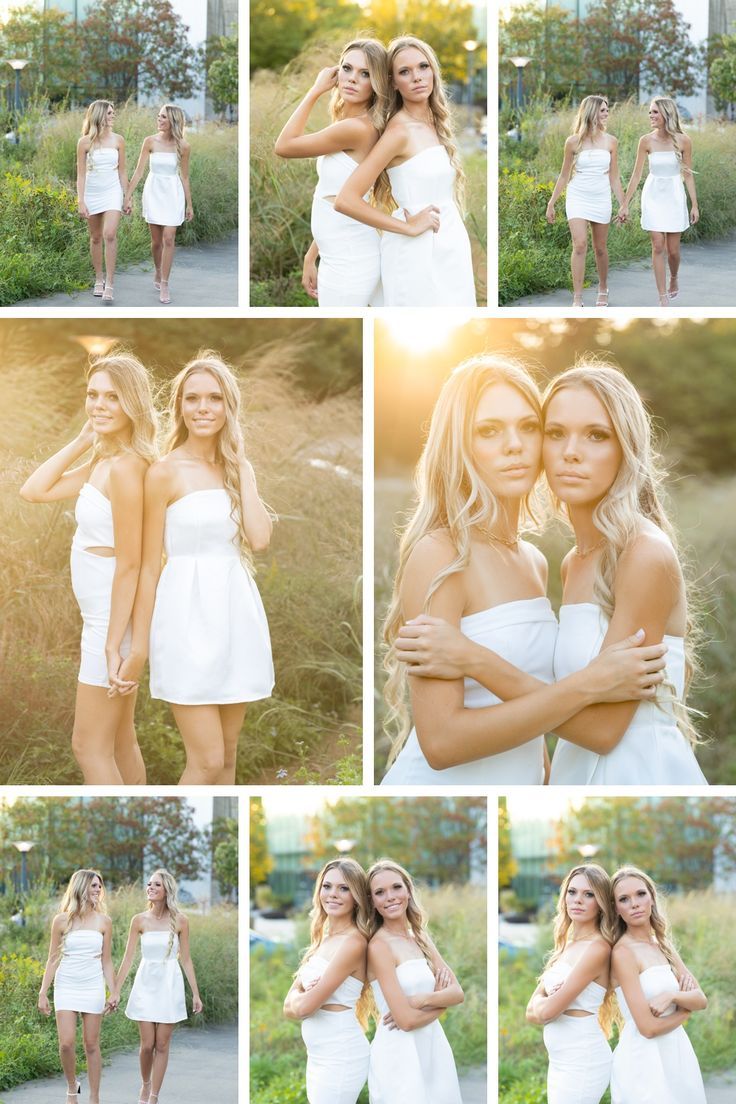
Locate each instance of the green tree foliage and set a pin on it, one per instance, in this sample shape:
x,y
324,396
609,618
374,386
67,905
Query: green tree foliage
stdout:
x,y
261,862
507,865
548,36
49,40
225,856
722,72
222,73
280,28
444,25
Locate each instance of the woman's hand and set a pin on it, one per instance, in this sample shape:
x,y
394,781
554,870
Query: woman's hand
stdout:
x,y
197,1004
325,80
661,1005
627,671
443,978
86,435
432,648
550,213
623,215
422,221
309,277
128,675
694,214
389,1021
687,982
240,446
189,215
43,1004
83,209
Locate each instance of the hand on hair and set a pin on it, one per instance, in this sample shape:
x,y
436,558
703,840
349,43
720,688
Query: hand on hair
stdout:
x,y
325,80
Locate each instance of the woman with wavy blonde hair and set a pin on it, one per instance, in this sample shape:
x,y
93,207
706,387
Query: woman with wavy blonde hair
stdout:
x,y
663,203
120,435
624,573
157,1000
425,249
412,986
329,995
349,253
202,616
101,184
167,197
573,1000
79,964
654,1059
469,611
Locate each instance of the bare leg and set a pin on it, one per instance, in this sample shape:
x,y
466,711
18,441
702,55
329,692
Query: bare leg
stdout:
x,y
94,223
157,244
673,260
66,1029
145,1055
91,1036
110,234
169,246
127,753
161,1056
231,718
201,730
579,233
659,264
599,230
96,721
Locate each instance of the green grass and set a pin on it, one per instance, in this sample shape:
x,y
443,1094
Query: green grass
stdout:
x,y
535,257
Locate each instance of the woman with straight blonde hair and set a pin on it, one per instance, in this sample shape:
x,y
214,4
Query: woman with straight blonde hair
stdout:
x,y
157,998
79,964
202,616
589,172
101,184
349,273
329,994
463,565
663,204
167,198
120,434
425,249
573,998
412,986
654,1060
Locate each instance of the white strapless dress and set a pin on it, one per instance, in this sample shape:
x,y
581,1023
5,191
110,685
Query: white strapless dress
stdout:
x,y
588,194
79,984
164,202
337,1049
157,995
432,270
102,188
652,751
411,1067
654,1071
579,1054
663,202
349,272
523,633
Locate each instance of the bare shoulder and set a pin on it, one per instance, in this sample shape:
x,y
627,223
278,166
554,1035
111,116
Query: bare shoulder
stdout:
x,y
84,143
649,551
119,140
599,952
612,142
622,954
645,142
685,141
185,146
105,922
182,922
537,558
433,550
128,465
571,142
160,475
355,943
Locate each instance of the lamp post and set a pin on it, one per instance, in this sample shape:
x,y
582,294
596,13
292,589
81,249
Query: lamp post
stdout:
x,y
520,64
17,65
345,846
24,846
470,46
588,850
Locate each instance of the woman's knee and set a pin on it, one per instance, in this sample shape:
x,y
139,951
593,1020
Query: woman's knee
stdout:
x,y
146,1051
659,247
579,247
169,238
91,1048
209,765
67,1048
111,236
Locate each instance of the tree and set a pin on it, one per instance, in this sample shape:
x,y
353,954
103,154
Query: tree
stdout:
x,y
722,72
261,862
49,40
279,29
222,74
134,47
390,19
507,865
225,857
549,36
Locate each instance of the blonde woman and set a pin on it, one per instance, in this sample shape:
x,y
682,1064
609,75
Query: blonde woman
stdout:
x,y
463,565
349,272
425,249
570,1000
202,616
412,985
101,184
663,204
167,198
654,1060
79,965
589,172
157,999
120,435
329,994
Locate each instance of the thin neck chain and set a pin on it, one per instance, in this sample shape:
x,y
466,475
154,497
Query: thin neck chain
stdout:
x,y
582,553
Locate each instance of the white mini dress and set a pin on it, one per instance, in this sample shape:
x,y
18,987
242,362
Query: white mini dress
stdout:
x,y
663,201
210,643
523,633
409,1067
588,194
79,984
102,188
157,995
663,1070
164,202
432,270
652,751
337,1049
349,272
579,1055
92,578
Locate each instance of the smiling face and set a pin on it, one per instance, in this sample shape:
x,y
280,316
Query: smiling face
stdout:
x,y
103,407
603,113
582,454
633,902
109,115
412,75
163,125
580,902
506,441
656,118
354,79
155,889
334,894
389,894
94,890
203,405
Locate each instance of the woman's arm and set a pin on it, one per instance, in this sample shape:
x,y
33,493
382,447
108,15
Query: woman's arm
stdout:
x,y
108,970
127,474
688,995
82,151
52,964
401,1013
309,271
542,1009
447,991
184,174
627,974
185,959
614,174
564,178
51,481
139,169
641,152
130,948
350,958
349,200
345,134
122,170
256,518
687,160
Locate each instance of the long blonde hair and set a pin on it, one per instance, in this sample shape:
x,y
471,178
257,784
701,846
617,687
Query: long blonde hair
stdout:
x,y
672,126
658,918
437,103
226,452
451,495
75,902
633,495
133,386
416,917
377,66
177,122
172,903
319,928
94,119
600,883
586,119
